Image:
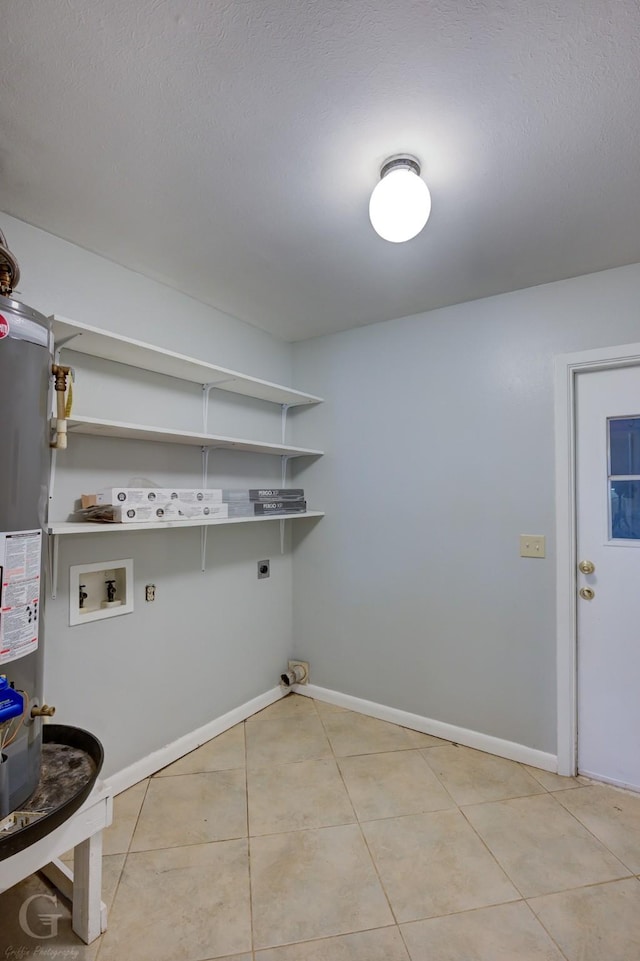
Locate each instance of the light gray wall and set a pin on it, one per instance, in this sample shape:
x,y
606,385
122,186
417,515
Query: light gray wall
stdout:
x,y
441,423
209,642
439,435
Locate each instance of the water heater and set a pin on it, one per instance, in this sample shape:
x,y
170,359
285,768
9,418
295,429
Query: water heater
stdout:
x,y
25,373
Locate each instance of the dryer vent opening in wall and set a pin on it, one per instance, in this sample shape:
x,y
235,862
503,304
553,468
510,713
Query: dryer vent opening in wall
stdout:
x,y
297,673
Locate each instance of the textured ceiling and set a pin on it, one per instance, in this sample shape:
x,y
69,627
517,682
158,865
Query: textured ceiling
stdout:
x,y
229,147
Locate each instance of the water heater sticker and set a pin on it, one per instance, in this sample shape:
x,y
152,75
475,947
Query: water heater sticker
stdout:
x,y
4,327
20,553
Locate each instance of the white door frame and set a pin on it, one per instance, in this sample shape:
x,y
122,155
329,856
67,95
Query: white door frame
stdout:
x,y
567,367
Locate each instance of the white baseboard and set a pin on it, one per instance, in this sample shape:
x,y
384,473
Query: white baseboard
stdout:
x,y
155,761
148,765
449,732
624,785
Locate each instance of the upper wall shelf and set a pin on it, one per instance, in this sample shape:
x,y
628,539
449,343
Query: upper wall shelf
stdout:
x,y
97,427
135,353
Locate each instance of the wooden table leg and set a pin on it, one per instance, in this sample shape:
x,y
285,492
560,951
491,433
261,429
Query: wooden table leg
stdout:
x,y
88,918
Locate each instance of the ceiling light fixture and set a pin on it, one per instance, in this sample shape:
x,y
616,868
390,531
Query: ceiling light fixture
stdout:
x,y
400,202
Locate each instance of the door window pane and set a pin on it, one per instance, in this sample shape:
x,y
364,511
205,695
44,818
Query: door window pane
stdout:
x,y
625,508
624,478
624,446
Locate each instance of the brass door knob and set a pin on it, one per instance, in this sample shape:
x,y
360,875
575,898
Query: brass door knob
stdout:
x,y
587,593
587,567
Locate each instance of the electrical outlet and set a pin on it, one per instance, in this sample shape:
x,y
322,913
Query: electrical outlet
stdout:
x,y
532,545
264,569
150,592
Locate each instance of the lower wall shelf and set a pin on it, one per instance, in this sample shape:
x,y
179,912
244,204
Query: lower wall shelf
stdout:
x,y
83,527
67,528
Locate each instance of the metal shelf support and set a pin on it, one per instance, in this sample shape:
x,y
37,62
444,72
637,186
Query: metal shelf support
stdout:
x,y
285,410
203,530
206,390
284,462
52,558
203,549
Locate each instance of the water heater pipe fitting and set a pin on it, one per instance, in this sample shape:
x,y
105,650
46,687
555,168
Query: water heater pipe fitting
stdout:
x,y
9,269
60,374
44,711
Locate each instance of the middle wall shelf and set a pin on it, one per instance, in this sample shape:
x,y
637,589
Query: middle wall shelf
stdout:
x,y
97,427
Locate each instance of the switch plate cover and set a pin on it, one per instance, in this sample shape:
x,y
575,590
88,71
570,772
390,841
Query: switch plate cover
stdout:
x,y
532,545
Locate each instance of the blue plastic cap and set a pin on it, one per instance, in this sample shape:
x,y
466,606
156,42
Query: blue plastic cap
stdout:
x,y
11,702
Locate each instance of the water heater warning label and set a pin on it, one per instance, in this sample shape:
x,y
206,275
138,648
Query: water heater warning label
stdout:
x,y
20,553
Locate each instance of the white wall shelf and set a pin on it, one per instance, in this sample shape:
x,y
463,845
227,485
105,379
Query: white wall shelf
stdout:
x,y
135,353
69,334
78,424
70,528
86,527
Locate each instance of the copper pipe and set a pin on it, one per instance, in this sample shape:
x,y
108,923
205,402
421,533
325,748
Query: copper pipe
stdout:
x,y
9,269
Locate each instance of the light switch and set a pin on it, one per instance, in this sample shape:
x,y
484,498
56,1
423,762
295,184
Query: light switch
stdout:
x,y
532,545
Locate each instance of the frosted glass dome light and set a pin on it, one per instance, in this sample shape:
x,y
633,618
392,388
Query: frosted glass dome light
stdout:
x,y
400,202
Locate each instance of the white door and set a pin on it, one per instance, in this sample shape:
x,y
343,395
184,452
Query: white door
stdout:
x,y
608,536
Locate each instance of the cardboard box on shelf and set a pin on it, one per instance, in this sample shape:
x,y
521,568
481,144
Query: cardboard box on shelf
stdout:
x,y
130,495
212,511
142,513
194,495
279,507
277,494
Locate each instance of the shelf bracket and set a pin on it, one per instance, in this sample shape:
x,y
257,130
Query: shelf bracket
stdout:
x,y
60,344
205,465
284,461
206,390
285,410
52,557
53,459
203,549
203,530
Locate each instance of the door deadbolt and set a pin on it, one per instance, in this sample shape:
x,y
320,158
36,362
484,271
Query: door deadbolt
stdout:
x,y
587,593
586,567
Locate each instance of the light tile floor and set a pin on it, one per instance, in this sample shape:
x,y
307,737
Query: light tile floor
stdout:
x,y
310,833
